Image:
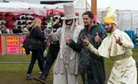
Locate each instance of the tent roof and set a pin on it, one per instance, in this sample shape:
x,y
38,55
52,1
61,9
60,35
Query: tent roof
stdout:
x,y
82,3
24,5
124,4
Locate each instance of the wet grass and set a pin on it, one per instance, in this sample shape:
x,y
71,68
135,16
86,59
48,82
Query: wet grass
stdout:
x,y
13,69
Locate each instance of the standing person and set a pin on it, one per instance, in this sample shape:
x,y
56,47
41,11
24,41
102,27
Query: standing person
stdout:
x,y
91,66
51,55
35,32
116,46
66,65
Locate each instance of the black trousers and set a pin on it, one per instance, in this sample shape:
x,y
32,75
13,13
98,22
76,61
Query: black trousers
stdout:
x,y
50,58
36,55
42,53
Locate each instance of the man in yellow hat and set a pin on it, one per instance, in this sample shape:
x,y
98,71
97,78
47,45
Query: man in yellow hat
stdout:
x,y
117,46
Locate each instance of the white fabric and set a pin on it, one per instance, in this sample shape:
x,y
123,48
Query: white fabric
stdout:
x,y
75,37
123,72
65,78
109,47
66,54
69,11
111,13
45,53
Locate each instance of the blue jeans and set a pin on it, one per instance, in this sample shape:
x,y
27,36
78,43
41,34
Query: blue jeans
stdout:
x,y
35,55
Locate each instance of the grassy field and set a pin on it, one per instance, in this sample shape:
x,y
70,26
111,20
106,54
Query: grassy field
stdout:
x,y
13,69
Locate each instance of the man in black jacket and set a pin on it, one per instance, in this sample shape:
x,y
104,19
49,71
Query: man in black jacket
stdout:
x,y
91,66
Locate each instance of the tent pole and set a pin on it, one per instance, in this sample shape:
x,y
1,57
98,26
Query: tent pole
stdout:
x,y
94,7
86,4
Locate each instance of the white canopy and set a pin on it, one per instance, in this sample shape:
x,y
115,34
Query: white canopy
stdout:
x,y
117,4
87,3
127,11
24,5
125,4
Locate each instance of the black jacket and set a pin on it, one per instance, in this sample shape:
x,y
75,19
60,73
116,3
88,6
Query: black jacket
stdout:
x,y
91,65
37,34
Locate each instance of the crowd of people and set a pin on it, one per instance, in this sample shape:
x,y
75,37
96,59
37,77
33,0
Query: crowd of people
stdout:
x,y
81,50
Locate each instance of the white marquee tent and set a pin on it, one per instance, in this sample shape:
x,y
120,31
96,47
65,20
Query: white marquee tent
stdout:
x,y
126,10
17,4
24,7
87,3
117,4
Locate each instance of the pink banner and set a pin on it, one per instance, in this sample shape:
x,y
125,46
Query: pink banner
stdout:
x,y
12,44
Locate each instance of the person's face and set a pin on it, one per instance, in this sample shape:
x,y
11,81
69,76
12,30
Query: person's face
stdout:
x,y
109,27
87,20
69,22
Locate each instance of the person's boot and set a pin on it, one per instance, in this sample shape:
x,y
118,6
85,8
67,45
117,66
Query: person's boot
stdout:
x,y
39,79
29,77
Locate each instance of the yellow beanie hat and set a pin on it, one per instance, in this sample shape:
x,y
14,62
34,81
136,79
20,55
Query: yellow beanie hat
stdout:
x,y
110,16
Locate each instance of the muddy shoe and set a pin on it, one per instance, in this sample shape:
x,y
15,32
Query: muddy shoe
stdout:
x,y
29,77
39,79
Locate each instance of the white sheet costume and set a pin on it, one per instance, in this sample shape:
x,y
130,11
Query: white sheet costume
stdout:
x,y
67,62
124,70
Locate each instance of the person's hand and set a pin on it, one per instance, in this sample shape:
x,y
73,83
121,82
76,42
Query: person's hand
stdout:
x,y
118,41
55,22
68,39
97,38
86,40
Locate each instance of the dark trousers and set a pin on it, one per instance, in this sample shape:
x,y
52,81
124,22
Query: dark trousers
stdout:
x,y
42,53
35,55
50,58
91,70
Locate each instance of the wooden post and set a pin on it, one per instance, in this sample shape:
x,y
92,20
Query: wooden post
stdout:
x,y
94,9
94,6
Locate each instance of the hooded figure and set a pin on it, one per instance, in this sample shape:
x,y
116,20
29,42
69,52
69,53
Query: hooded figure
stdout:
x,y
66,65
118,47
